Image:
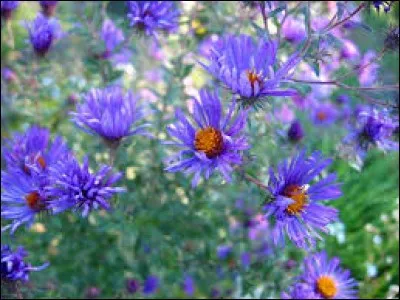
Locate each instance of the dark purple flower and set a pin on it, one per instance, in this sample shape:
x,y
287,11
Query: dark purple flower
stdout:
x,y
295,201
112,37
188,285
373,128
150,285
293,30
386,5
110,113
392,39
75,187
246,67
13,265
295,132
343,99
217,142
132,286
42,33
7,8
48,7
327,279
245,259
153,16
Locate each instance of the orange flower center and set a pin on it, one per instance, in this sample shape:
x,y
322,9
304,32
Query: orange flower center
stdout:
x,y
298,195
327,287
40,160
253,78
33,199
321,116
209,140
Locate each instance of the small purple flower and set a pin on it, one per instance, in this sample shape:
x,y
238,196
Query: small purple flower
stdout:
x,y
42,34
246,67
22,198
151,284
284,114
223,251
373,128
153,16
75,187
386,5
132,286
110,113
188,285
295,201
48,7
92,292
215,144
33,150
13,265
112,37
295,132
245,259
324,113
300,291
8,75
293,30
327,279
343,99
7,7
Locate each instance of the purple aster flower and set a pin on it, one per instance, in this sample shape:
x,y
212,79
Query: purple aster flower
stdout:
x,y
22,198
300,291
215,144
373,128
343,99
42,33
132,286
246,67
386,5
293,30
295,132
223,251
327,279
48,7
324,113
188,285
150,285
8,75
152,16
110,113
285,114
7,8
295,200
75,187
245,259
13,265
33,150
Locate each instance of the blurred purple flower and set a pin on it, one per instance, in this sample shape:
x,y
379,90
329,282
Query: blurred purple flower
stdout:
x,y
245,259
295,132
188,285
92,292
43,32
284,114
349,51
8,74
216,144
323,113
293,30
386,5
300,291
152,16
110,113
245,67
368,70
48,7
13,265
75,187
373,128
295,201
223,251
150,285
7,7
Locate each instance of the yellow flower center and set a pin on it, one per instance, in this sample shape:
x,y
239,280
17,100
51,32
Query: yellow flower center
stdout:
x,y
321,116
253,78
209,140
327,287
32,199
298,195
